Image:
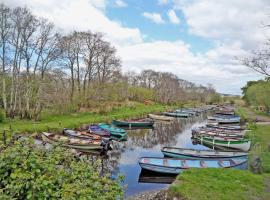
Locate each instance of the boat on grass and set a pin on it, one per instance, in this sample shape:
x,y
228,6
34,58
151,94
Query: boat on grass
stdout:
x,y
78,144
175,152
176,166
161,117
134,123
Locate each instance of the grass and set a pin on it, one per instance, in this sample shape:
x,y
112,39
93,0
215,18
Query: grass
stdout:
x,y
58,122
221,184
208,184
261,141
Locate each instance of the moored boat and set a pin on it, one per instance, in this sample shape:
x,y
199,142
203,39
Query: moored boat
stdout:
x,y
134,123
176,166
161,117
119,132
95,129
78,144
201,154
225,127
241,144
175,114
81,134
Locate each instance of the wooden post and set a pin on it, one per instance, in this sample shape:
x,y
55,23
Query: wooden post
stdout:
x,y
4,137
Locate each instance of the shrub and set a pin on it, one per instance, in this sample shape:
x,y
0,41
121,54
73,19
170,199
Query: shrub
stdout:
x,y
29,172
2,116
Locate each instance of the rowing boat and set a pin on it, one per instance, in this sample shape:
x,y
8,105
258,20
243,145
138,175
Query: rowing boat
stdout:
x,y
119,132
201,154
176,166
78,144
95,129
176,114
81,134
241,144
161,117
134,123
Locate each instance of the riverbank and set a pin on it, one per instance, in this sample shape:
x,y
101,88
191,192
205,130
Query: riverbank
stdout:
x,y
224,184
75,120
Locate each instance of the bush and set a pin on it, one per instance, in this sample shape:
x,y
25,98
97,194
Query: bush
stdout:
x,y
2,116
29,172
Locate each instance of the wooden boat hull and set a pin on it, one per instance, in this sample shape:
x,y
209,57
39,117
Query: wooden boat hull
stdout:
x,y
201,154
160,117
79,147
177,166
239,128
243,145
133,123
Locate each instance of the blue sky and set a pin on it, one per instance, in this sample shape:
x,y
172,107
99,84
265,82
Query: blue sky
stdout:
x,y
132,16
199,42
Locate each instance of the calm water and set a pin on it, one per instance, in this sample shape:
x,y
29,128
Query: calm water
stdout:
x,y
123,159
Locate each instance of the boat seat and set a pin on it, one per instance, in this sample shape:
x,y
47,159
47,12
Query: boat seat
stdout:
x,y
203,164
165,162
221,163
232,162
184,164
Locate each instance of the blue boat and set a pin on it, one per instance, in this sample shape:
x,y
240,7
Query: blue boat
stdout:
x,y
177,166
176,114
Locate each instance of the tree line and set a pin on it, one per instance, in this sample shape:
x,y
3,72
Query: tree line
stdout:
x,y
43,69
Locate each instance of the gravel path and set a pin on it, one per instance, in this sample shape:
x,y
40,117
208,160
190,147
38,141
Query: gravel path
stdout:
x,y
151,195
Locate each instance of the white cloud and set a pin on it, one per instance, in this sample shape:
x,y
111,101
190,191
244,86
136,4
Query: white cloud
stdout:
x,y
163,2
173,17
71,15
120,4
227,20
235,26
154,17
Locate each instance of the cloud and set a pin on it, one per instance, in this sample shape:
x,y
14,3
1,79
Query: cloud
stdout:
x,y
163,2
154,17
81,15
173,17
120,4
228,20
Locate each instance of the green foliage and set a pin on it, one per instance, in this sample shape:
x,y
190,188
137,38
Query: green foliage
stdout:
x,y
215,98
140,94
258,94
222,184
57,122
29,172
2,116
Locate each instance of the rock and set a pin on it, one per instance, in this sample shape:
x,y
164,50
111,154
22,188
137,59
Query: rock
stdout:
x,y
256,165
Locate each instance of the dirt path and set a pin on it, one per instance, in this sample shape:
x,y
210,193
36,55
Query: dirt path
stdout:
x,y
259,118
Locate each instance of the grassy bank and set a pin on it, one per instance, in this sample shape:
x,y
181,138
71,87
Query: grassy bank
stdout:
x,y
200,184
222,184
58,122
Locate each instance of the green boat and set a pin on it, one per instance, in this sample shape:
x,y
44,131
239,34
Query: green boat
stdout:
x,y
176,114
119,132
241,144
134,123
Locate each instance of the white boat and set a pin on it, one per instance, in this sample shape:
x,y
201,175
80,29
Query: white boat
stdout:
x,y
161,117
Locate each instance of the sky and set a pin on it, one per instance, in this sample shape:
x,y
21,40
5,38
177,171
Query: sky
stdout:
x,y
198,40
